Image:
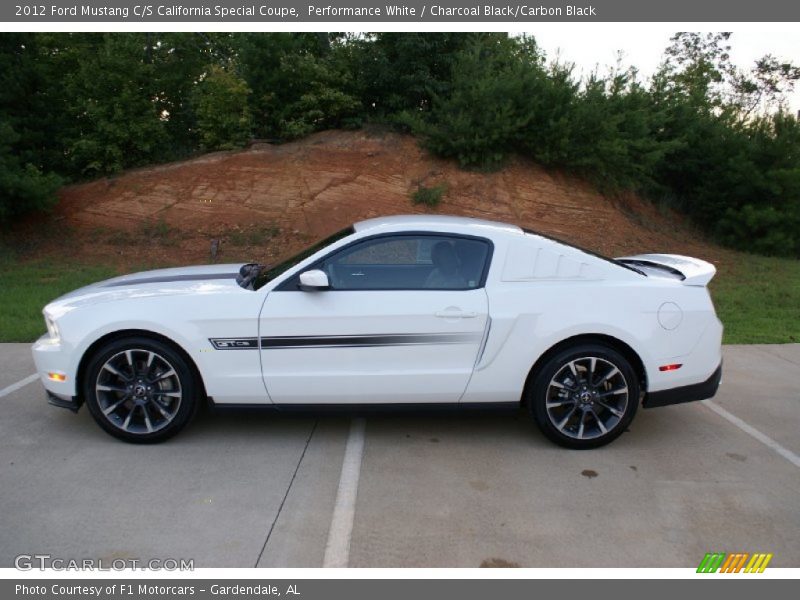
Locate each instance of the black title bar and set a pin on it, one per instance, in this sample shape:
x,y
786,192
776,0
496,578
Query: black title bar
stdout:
x,y
409,11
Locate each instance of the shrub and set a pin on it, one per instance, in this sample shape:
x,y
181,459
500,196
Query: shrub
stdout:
x,y
761,229
429,196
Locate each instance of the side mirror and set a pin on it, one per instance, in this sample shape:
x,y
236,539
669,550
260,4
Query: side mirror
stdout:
x,y
314,280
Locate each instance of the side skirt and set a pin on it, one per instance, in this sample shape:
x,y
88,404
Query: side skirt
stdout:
x,y
339,409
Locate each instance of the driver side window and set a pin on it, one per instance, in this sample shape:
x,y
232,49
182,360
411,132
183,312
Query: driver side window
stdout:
x,y
409,262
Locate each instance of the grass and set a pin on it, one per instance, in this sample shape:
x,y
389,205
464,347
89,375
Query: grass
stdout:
x,y
757,299
254,236
429,196
26,288
150,231
157,229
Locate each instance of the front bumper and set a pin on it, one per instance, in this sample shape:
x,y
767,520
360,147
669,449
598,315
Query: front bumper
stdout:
x,y
73,404
687,393
54,356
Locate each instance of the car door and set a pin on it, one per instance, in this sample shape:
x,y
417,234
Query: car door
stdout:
x,y
402,322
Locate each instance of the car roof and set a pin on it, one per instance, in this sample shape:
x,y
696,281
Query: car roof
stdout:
x,y
433,222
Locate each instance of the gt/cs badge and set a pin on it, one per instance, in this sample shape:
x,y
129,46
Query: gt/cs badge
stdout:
x,y
234,343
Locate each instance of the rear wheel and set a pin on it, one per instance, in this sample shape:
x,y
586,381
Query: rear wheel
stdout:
x,y
140,390
584,396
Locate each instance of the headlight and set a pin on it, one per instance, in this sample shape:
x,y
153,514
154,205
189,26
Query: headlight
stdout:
x,y
52,328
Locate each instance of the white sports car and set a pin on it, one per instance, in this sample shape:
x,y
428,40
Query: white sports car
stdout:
x,y
409,311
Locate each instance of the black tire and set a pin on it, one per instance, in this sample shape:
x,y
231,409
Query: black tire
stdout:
x,y
578,409
160,393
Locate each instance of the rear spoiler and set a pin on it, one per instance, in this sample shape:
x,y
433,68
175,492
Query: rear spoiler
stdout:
x,y
693,271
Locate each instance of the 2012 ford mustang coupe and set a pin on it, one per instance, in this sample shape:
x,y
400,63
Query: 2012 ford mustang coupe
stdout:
x,y
401,311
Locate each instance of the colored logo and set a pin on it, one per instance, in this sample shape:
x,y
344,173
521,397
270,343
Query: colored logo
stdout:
x,y
737,562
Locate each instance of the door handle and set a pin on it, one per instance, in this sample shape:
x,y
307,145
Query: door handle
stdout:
x,y
455,314
357,274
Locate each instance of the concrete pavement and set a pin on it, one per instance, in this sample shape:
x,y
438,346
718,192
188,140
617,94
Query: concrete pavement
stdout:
x,y
457,490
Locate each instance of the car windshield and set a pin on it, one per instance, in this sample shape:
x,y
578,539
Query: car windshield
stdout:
x,y
268,273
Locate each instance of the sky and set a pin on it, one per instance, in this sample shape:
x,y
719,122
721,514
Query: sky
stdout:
x,y
644,47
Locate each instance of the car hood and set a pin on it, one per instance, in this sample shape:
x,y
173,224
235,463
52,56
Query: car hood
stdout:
x,y
162,282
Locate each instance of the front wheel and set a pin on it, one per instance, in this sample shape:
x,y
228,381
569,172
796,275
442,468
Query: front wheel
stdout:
x,y
585,396
140,390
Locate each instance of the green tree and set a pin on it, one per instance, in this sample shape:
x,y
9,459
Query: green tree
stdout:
x,y
112,99
730,167
610,133
223,115
397,72
487,112
23,187
318,102
32,98
30,130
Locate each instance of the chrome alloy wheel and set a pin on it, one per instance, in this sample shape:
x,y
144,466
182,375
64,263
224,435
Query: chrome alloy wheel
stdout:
x,y
138,391
587,398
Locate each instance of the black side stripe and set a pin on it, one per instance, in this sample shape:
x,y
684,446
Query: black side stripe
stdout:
x,y
368,341
167,279
345,341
